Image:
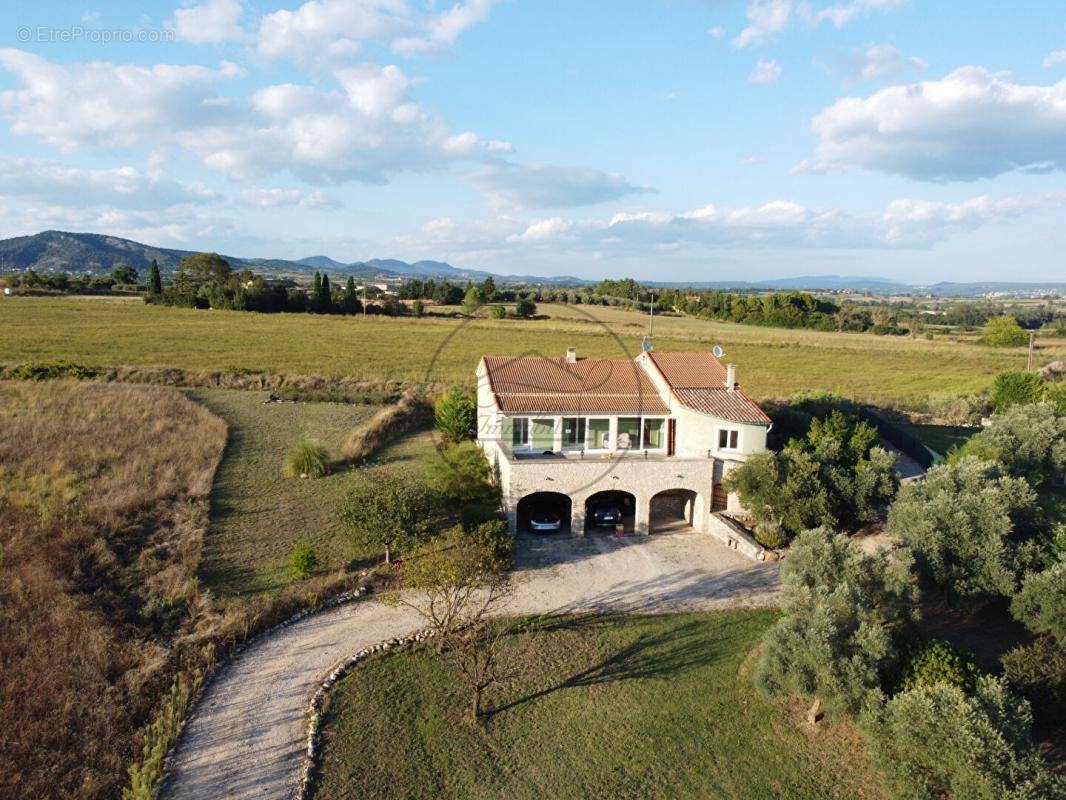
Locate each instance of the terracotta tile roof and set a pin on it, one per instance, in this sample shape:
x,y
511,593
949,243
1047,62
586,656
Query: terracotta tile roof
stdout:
x,y
720,402
698,382
542,385
690,370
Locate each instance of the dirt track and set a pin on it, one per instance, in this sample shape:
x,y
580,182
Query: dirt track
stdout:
x,y
246,736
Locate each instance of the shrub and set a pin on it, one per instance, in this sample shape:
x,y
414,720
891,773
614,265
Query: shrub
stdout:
x,y
473,299
1014,388
937,661
960,411
1041,603
525,308
390,423
303,561
935,742
497,312
841,611
455,414
395,510
1055,393
771,535
1003,331
308,459
493,536
968,524
48,370
1029,441
461,477
418,308
1037,671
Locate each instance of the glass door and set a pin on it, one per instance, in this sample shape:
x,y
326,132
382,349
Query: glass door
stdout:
x,y
543,435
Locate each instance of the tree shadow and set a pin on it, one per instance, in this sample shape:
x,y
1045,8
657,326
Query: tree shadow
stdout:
x,y
650,655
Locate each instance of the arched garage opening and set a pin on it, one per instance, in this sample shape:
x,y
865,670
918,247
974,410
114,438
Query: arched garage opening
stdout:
x,y
538,513
675,510
605,510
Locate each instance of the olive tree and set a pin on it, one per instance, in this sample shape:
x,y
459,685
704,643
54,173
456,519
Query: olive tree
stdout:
x,y
842,609
935,741
1028,440
968,525
1041,603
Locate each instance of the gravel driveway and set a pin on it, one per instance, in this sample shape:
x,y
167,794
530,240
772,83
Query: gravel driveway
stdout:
x,y
245,738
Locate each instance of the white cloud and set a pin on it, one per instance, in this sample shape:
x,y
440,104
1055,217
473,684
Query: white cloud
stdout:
x,y
336,29
99,104
524,186
1054,58
971,124
442,30
769,17
879,62
367,132
902,224
276,197
765,18
765,72
210,22
378,91
126,187
717,32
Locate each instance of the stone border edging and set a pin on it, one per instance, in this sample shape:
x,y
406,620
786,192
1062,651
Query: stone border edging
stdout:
x,y
319,607
338,672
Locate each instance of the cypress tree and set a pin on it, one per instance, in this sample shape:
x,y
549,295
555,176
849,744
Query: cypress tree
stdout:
x,y
349,296
155,283
314,299
325,300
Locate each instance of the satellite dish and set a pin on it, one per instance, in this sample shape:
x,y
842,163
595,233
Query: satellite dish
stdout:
x,y
718,351
645,344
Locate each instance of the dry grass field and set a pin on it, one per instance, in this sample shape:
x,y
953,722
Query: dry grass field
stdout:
x,y
103,499
772,362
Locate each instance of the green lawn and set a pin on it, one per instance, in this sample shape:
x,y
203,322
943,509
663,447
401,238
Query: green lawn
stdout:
x,y
605,707
772,362
257,513
940,438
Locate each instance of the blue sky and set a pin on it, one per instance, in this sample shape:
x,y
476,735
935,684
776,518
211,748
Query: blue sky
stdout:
x,y
668,139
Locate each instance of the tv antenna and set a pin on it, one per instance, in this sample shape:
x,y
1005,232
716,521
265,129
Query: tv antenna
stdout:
x,y
645,344
718,351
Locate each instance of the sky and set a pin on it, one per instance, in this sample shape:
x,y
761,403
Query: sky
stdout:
x,y
682,140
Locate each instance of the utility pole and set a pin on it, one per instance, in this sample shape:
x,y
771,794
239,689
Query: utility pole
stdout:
x,y
1029,363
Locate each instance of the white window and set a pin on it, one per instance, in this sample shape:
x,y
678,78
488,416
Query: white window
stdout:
x,y
654,434
599,433
519,432
728,439
574,432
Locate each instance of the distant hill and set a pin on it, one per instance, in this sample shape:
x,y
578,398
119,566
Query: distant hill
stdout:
x,y
62,251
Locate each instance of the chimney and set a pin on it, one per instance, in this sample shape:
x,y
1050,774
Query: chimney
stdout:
x,y
571,355
731,376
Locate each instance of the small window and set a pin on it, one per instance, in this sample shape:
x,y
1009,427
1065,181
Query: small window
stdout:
x,y
519,432
728,438
574,432
653,434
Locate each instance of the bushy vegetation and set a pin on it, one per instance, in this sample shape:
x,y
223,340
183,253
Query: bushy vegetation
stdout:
x,y
304,561
1041,602
463,479
841,611
1029,441
1015,388
834,475
1003,331
936,741
388,424
970,526
455,414
307,459
395,510
1037,672
937,661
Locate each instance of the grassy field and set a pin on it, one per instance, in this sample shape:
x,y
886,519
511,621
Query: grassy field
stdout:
x,y
606,707
772,362
940,438
257,513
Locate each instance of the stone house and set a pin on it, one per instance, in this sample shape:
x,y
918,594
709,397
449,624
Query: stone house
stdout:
x,y
654,435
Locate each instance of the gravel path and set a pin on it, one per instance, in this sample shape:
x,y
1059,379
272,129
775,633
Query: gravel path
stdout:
x,y
245,738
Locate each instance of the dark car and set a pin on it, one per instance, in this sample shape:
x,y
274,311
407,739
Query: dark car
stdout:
x,y
605,515
545,520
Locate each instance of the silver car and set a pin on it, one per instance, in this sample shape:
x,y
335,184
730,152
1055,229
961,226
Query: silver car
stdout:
x,y
545,521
